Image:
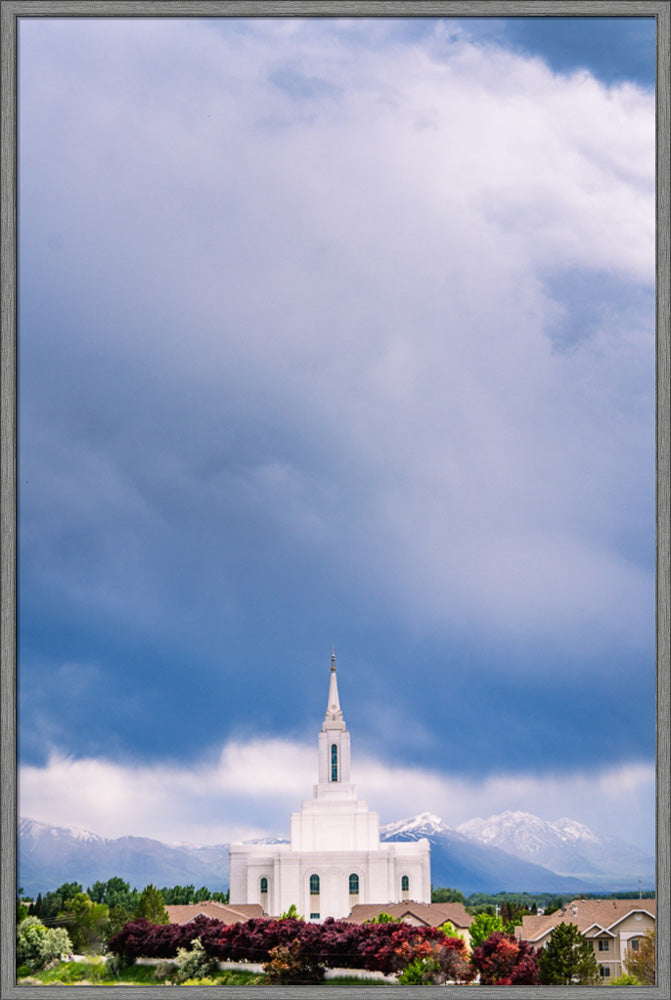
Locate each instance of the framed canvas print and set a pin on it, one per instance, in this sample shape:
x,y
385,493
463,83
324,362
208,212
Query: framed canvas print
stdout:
x,y
335,482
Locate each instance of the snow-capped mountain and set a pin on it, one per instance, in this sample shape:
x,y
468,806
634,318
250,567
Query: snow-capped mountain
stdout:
x,y
513,851
48,856
563,845
463,863
426,824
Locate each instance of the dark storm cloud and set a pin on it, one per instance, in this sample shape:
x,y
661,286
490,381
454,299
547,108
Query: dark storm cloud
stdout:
x,y
289,375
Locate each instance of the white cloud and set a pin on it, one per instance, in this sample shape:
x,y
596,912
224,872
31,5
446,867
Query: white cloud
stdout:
x,y
255,784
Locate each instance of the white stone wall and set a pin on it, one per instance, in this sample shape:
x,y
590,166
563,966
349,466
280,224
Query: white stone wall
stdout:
x,y
288,873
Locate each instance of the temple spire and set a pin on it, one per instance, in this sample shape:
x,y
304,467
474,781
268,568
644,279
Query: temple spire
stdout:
x,y
333,718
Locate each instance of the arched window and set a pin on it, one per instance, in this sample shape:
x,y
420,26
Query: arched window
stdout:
x,y
405,883
314,885
354,885
264,884
334,762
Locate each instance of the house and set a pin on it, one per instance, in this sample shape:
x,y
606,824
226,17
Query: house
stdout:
x,y
614,926
217,911
417,914
334,859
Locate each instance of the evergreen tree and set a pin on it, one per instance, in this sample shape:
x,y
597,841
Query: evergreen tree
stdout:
x,y
150,906
568,958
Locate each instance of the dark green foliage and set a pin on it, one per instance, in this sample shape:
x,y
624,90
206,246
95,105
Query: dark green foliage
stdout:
x,y
150,906
114,892
568,958
447,896
48,907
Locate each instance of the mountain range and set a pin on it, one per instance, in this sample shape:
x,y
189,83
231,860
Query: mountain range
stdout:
x,y
513,851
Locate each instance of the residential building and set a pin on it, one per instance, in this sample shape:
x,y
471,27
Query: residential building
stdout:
x,y
614,926
418,915
184,914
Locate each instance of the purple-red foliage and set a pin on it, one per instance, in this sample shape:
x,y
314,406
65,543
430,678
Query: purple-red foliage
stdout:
x,y
502,960
333,943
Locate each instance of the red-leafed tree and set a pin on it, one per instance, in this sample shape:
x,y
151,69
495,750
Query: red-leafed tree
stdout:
x,y
502,960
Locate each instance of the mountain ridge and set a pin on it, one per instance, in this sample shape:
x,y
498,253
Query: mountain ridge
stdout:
x,y
505,852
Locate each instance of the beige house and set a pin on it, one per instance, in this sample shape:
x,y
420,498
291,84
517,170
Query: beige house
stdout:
x,y
417,914
217,911
614,926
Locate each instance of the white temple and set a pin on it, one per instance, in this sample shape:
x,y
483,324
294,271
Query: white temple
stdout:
x,y
335,858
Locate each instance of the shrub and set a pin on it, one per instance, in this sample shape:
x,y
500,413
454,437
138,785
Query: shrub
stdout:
x,y
166,972
426,962
641,963
195,963
502,960
37,945
292,963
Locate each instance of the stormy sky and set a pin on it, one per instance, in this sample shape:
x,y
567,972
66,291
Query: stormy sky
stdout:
x,y
335,332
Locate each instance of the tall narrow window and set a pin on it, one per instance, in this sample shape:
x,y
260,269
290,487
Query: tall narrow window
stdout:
x,y
264,884
405,886
334,762
354,885
314,885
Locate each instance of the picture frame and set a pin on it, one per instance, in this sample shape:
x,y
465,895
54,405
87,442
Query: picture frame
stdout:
x,y
12,12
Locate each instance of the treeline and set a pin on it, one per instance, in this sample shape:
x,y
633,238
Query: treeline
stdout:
x,y
94,916
512,906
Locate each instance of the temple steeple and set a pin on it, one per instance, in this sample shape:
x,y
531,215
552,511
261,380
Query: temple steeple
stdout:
x,y
333,718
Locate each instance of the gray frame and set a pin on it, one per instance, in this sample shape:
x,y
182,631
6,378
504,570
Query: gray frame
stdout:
x,y
11,11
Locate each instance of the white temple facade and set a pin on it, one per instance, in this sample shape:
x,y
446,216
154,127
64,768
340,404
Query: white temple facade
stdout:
x,y
335,858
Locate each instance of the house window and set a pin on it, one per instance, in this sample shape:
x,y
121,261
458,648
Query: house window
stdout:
x,y
334,762
604,971
314,885
634,944
264,884
354,885
314,916
604,945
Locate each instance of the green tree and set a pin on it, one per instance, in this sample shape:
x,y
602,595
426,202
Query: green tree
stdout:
x,y
641,963
568,958
118,917
87,923
114,892
36,945
482,926
150,906
441,895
